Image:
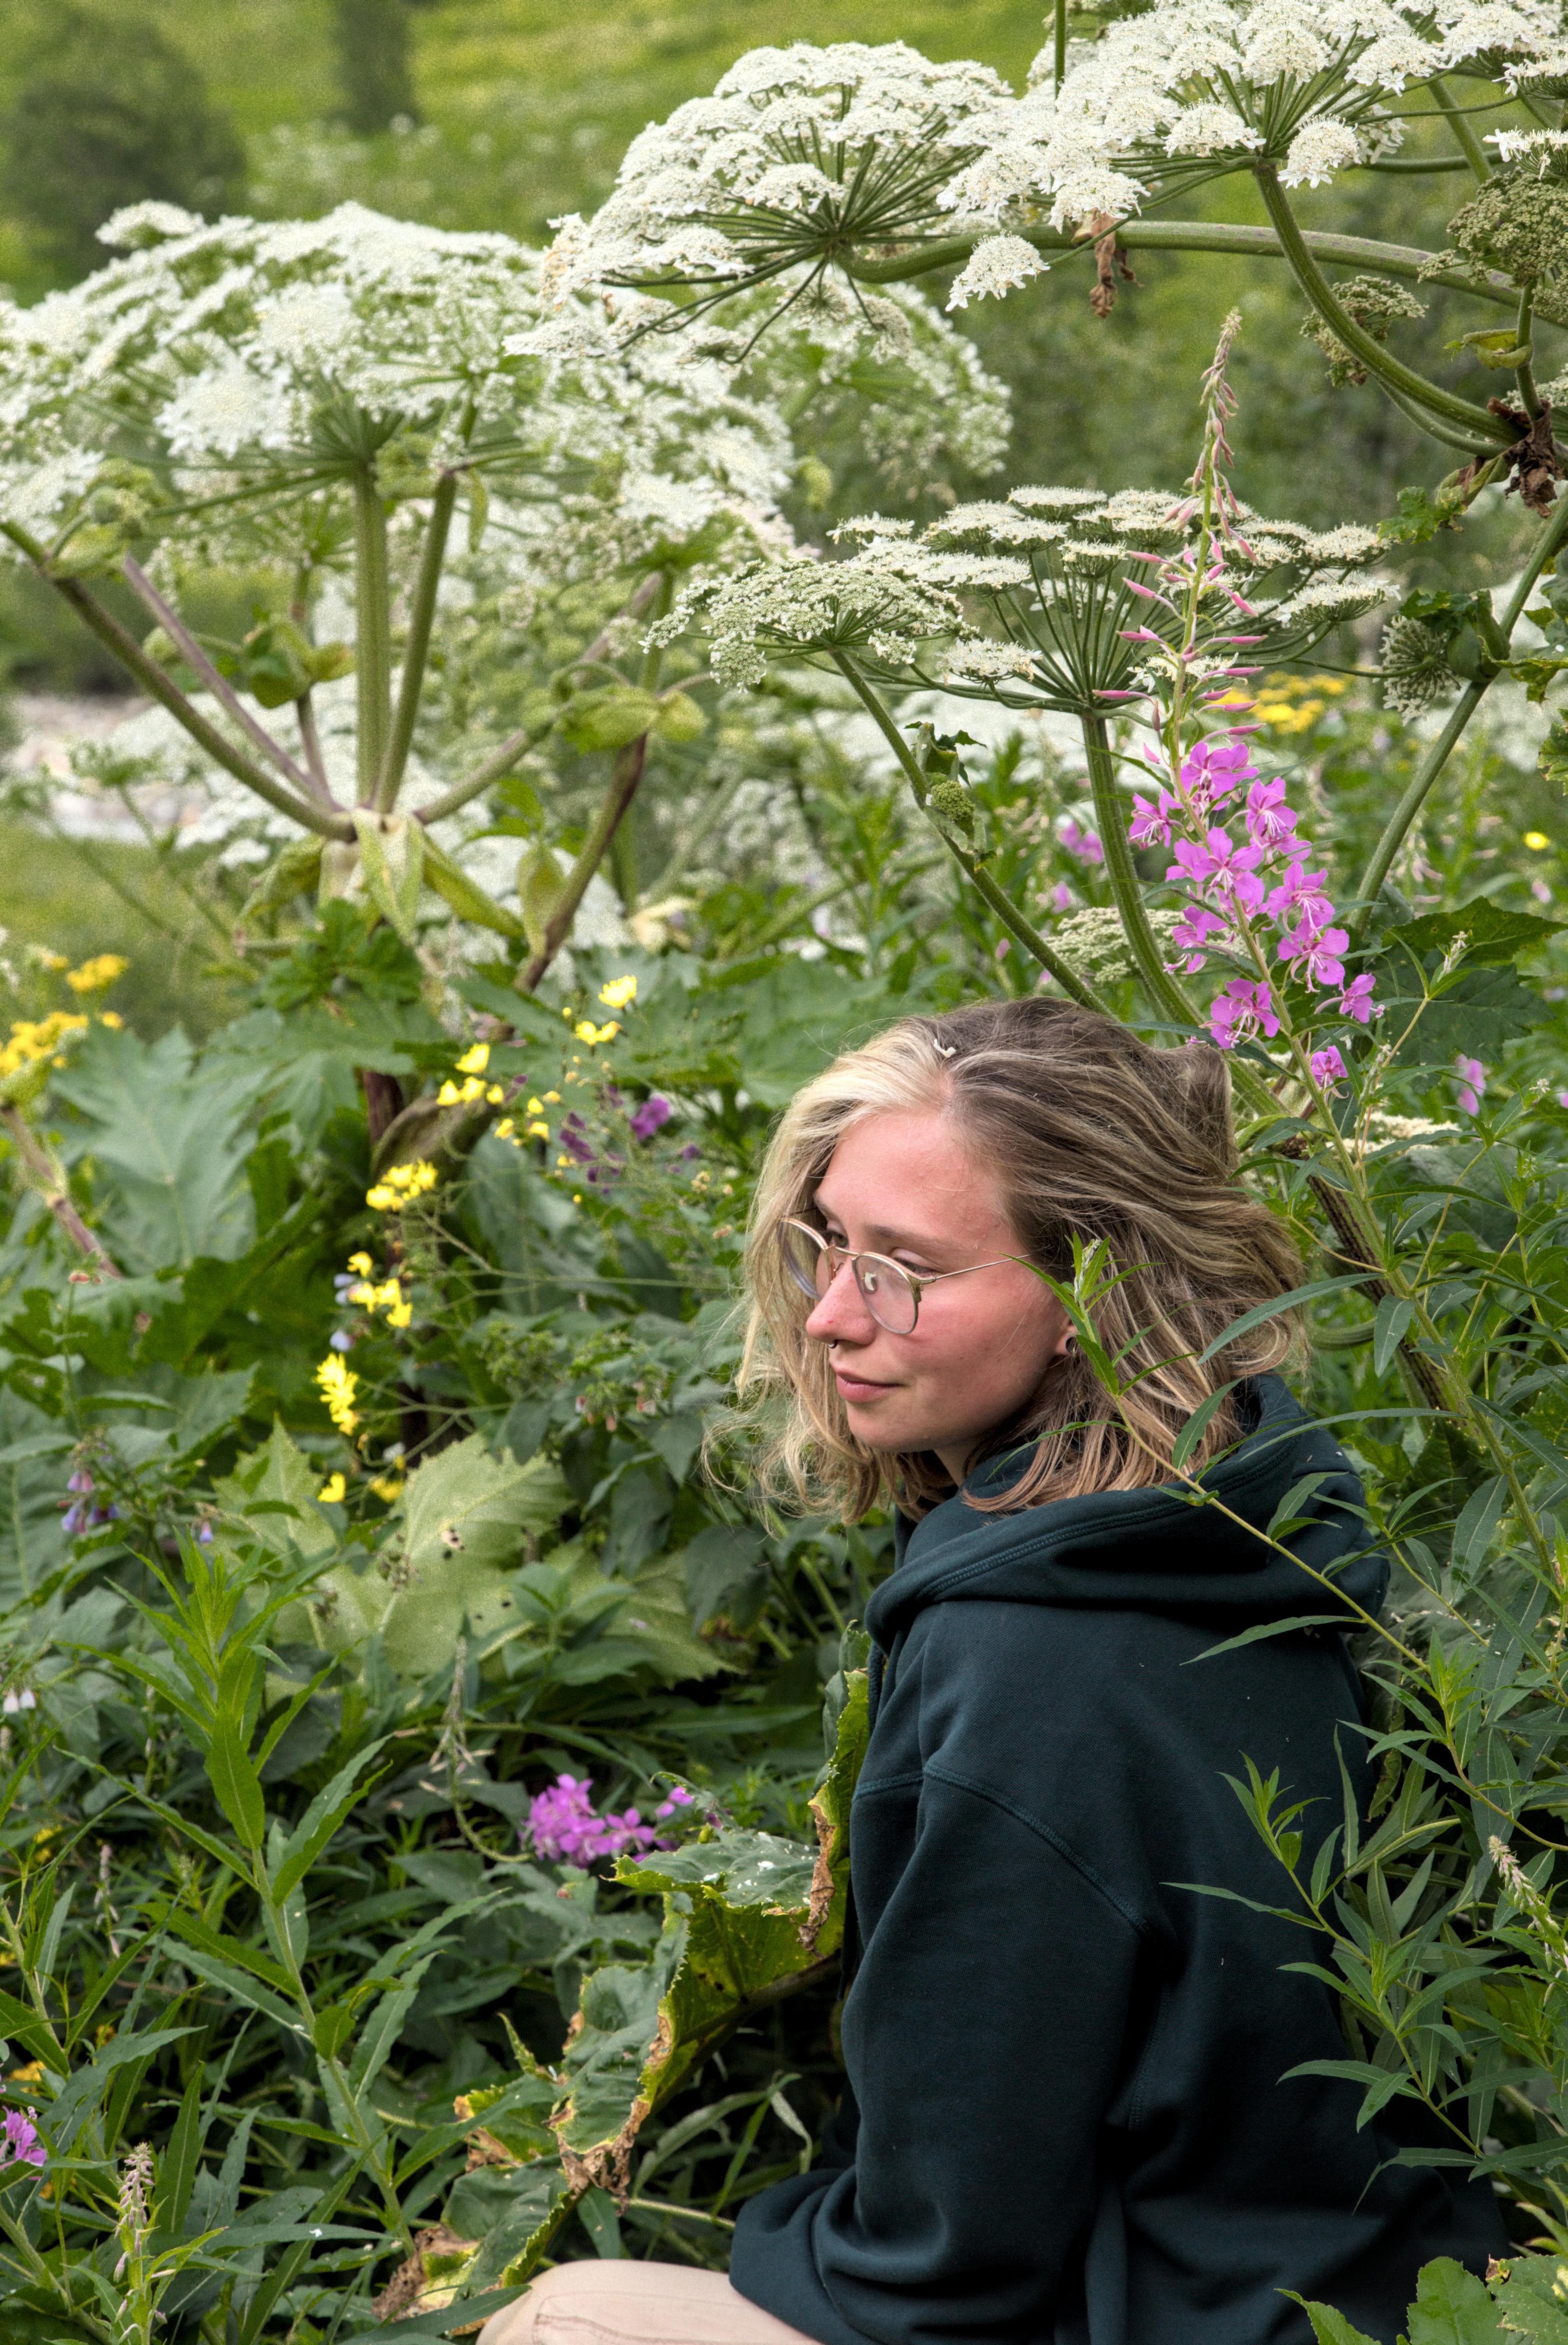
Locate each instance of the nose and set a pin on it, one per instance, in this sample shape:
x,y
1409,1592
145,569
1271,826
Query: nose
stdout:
x,y
841,1316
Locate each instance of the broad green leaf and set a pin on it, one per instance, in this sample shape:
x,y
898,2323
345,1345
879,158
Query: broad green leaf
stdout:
x,y
1451,2307
460,1525
1531,2300
608,717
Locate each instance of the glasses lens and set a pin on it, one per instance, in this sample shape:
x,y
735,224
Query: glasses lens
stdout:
x,y
890,1296
806,1262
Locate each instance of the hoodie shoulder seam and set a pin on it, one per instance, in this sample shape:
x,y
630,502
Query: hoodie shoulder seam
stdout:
x,y
1042,1830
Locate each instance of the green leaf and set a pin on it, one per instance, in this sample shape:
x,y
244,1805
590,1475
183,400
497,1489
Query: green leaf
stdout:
x,y
1451,2307
464,896
1534,2300
679,718
322,1818
236,1782
461,1525
1392,1317
296,871
539,880
1494,938
1311,1293
177,2168
392,859
1198,1424
1329,2327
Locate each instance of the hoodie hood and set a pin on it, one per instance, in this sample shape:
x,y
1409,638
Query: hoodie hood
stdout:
x,y
1156,1549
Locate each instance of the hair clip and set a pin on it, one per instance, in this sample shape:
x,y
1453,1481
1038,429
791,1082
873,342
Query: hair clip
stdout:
x,y
944,1050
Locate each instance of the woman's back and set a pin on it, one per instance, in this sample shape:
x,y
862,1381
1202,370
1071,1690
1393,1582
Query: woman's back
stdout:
x,y
1068,2059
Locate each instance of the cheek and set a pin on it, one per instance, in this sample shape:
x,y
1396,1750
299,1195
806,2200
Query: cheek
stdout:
x,y
993,1341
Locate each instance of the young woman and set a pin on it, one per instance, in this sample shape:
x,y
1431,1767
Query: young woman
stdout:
x,y
1086,2101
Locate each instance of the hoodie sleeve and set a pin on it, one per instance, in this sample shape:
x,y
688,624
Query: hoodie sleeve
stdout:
x,y
984,2042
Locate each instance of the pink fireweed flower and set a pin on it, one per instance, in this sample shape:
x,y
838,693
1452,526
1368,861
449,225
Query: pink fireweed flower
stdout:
x,y
1212,769
1270,822
1240,1010
1226,873
1328,1068
1356,1001
1314,954
19,2141
1301,897
1062,897
1192,933
1151,823
1472,1073
1084,844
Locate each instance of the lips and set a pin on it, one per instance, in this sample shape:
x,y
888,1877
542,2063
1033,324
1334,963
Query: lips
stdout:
x,y
857,1388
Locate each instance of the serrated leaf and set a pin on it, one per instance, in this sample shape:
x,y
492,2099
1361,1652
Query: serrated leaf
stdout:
x,y
1451,2307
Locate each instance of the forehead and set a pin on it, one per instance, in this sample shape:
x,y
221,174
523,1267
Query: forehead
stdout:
x,y
908,1174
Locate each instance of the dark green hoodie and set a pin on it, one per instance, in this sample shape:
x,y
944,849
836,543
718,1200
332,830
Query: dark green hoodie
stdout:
x,y
1067,2120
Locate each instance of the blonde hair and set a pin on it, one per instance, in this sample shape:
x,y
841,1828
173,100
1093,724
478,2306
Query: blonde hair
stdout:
x,y
1091,1133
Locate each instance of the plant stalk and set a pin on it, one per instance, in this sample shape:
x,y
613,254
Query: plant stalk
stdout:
x,y
373,643
44,1175
1126,887
626,776
1077,987
162,688
222,691
1442,748
1428,396
1459,122
416,651
1407,261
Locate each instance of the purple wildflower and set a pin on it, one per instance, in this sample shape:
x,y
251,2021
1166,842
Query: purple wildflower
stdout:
x,y
561,1824
1328,1066
1224,871
1270,822
1212,770
651,1117
679,1798
1472,1073
19,2142
1192,933
1062,897
574,1140
1301,897
1087,845
1150,825
1240,1011
1314,953
1356,1001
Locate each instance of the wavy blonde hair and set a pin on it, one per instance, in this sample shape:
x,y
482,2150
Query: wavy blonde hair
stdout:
x,y
1091,1133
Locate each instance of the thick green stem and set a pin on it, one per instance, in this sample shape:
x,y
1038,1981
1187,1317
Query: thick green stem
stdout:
x,y
1428,396
1126,887
44,1174
416,651
1524,372
1407,261
163,689
1006,911
1459,122
1442,748
1060,43
373,637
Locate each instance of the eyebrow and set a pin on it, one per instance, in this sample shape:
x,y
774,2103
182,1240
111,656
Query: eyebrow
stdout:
x,y
887,1236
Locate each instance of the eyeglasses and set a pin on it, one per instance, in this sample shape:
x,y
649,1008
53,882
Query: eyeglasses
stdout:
x,y
890,1293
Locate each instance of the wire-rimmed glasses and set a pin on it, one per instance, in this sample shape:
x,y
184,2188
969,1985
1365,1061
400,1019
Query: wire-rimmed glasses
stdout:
x,y
890,1292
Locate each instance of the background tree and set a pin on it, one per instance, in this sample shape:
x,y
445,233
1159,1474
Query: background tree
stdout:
x,y
105,112
373,37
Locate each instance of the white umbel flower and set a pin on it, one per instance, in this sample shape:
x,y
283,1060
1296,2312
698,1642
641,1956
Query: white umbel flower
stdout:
x,y
996,264
1319,149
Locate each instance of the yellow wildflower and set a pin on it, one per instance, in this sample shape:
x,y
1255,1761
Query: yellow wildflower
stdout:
x,y
361,1262
332,1492
539,1131
618,992
388,1488
593,1035
95,974
399,1185
505,1128
496,1094
1537,841
338,1385
552,1099
52,960
112,1018
536,1107
400,1314
34,2072
475,1061
33,1038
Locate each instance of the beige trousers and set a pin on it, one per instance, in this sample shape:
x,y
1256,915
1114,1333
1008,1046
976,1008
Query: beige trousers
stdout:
x,y
616,2303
